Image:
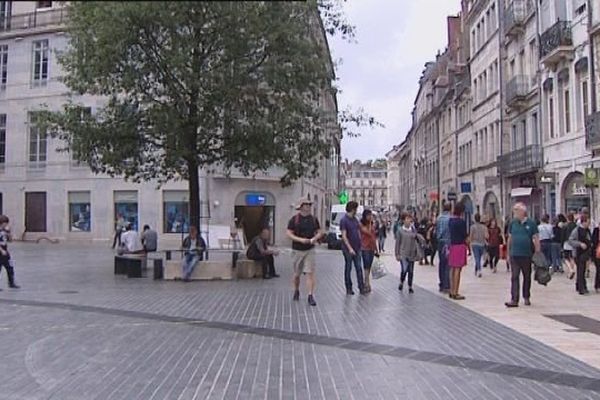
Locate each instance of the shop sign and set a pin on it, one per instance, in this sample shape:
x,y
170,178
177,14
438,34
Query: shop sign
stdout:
x,y
451,196
579,190
433,195
591,177
548,178
254,199
465,187
527,181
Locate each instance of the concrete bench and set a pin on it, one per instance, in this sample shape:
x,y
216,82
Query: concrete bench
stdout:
x,y
205,270
248,269
132,265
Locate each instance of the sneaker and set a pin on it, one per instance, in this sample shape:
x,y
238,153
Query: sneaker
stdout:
x,y
349,292
400,287
527,302
14,286
511,304
459,297
311,300
479,275
296,295
410,290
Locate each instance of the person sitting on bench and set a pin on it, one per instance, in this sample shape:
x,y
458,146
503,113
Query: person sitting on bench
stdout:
x,y
130,242
259,251
193,252
149,239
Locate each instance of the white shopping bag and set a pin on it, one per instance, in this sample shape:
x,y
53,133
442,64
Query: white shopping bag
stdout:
x,y
378,268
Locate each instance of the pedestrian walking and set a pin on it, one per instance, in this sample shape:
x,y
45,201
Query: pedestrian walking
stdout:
x,y
351,248
305,231
432,244
442,234
422,230
382,228
546,232
581,241
557,243
457,251
193,247
595,258
478,238
369,248
5,259
495,240
568,255
259,250
408,249
120,227
522,237
149,239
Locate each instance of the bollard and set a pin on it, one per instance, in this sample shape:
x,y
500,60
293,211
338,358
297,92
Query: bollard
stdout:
x,y
158,269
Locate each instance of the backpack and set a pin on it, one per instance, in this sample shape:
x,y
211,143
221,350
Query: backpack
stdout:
x,y
253,253
297,222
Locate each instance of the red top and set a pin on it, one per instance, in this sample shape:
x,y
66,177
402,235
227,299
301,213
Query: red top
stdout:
x,y
368,237
494,237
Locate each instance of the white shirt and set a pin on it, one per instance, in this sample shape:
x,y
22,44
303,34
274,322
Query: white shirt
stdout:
x,y
545,231
132,242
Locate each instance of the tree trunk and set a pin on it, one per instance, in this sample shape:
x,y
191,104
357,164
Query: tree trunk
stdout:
x,y
194,189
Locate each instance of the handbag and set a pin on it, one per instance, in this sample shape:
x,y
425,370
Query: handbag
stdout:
x,y
378,268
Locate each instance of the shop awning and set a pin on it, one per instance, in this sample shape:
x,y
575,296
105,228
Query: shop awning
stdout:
x,y
521,192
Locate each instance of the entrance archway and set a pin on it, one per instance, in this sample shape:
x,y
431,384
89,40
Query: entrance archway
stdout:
x,y
574,193
490,205
254,211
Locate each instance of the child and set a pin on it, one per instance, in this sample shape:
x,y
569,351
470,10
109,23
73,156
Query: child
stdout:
x,y
5,260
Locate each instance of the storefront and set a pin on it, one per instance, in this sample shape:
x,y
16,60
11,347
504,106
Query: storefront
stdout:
x,y
574,193
524,189
490,205
254,211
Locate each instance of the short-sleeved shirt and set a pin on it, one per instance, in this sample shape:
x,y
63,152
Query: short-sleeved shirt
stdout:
x,y
307,227
522,233
458,230
150,239
368,238
352,228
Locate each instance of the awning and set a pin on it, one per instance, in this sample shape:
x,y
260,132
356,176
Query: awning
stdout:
x,y
521,192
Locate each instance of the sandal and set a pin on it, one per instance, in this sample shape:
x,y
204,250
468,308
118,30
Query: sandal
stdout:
x,y
459,297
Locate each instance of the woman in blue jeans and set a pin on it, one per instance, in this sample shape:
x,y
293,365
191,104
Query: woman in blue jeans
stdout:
x,y
408,250
479,237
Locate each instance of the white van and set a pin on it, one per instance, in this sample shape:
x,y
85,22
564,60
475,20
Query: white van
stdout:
x,y
334,235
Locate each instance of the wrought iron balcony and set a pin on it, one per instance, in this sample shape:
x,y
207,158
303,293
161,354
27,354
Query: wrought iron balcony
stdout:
x,y
556,43
526,159
515,16
36,19
516,91
592,131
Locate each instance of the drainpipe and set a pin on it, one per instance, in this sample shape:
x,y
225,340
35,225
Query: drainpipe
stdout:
x,y
592,66
501,97
439,175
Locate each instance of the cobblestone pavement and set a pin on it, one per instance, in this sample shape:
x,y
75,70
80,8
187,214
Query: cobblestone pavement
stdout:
x,y
75,331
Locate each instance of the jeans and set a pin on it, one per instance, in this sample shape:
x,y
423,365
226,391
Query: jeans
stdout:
x,y
597,280
581,283
478,250
408,268
10,271
268,265
189,262
443,270
556,260
547,250
367,258
349,261
518,265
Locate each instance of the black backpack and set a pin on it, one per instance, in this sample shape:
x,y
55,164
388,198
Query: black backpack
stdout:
x,y
253,253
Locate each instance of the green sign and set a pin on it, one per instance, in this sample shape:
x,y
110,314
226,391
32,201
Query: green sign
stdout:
x,y
343,197
591,177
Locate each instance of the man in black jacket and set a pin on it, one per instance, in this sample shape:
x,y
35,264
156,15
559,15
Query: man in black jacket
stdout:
x,y
259,251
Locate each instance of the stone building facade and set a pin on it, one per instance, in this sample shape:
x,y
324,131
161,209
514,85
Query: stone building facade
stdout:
x,y
367,184
48,194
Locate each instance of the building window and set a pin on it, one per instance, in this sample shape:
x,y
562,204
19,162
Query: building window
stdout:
x,y
514,137
80,212
585,100
40,62
38,142
3,66
176,214
126,208
43,4
567,112
534,128
523,134
2,139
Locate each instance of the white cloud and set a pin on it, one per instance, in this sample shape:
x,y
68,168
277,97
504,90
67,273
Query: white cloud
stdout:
x,y
381,71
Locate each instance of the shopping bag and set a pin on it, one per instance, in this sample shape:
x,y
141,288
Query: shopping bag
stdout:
x,y
378,268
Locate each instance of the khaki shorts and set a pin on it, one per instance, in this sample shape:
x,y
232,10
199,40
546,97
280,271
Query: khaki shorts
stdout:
x,y
304,261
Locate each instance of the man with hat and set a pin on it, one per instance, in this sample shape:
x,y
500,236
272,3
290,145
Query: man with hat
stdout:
x,y
304,231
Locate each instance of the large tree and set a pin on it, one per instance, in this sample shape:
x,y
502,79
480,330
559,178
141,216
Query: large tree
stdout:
x,y
187,85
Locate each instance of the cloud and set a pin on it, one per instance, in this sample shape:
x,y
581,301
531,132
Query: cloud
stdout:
x,y
381,71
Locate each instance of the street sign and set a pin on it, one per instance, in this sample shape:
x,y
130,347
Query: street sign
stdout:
x,y
591,177
465,187
254,199
451,196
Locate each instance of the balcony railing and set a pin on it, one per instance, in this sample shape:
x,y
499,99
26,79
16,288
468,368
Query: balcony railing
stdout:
x,y
592,130
517,89
35,19
558,35
526,159
516,15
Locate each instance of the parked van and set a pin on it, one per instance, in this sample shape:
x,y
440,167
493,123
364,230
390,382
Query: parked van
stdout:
x,y
334,234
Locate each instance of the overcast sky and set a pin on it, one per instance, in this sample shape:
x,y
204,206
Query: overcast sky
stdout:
x,y
380,72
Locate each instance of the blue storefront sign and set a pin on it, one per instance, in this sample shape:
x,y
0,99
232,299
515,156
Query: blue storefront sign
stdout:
x,y
465,187
255,199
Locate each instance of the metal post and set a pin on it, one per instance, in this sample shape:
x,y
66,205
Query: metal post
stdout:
x,y
501,6
592,60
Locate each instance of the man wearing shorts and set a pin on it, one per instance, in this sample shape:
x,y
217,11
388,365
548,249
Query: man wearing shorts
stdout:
x,y
304,231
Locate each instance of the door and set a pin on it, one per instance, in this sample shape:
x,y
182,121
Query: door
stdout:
x,y
35,212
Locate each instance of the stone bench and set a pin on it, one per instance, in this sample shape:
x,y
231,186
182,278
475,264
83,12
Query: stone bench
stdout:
x,y
248,269
132,265
205,270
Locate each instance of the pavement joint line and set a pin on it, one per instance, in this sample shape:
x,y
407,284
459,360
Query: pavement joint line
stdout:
x,y
515,371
